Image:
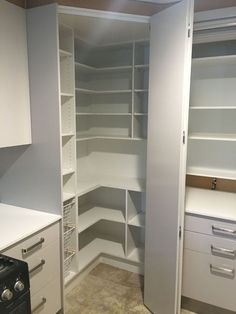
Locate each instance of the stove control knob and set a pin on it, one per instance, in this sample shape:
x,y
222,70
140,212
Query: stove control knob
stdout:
x,y
19,286
6,295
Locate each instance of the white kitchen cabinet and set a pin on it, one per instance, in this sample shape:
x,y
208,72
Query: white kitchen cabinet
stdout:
x,y
15,121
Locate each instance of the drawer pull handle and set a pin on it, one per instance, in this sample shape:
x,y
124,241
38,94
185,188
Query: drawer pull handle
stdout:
x,y
226,231
37,266
32,247
222,270
44,300
222,251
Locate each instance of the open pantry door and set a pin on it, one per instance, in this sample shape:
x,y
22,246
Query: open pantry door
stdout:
x,y
169,85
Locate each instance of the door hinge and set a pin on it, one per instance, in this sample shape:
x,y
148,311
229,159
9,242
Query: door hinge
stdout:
x,y
184,137
180,232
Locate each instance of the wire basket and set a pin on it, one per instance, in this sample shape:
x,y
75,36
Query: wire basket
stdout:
x,y
68,230
67,211
68,256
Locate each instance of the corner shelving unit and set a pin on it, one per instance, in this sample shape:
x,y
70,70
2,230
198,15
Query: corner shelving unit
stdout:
x,y
212,116
104,110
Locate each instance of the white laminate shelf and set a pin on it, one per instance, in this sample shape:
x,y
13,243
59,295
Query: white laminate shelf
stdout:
x,y
140,90
67,196
140,114
138,220
91,183
137,255
88,68
103,114
212,107
107,137
96,213
64,53
210,203
97,92
213,137
141,66
217,60
97,247
69,276
69,134
212,172
69,171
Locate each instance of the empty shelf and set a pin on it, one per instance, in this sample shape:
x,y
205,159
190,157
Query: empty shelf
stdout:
x,y
212,172
137,255
141,66
105,137
92,91
69,134
102,114
67,171
89,68
95,248
138,220
212,136
212,107
64,53
69,276
67,196
141,90
218,60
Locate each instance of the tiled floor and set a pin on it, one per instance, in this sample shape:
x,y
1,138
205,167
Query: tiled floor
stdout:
x,y
108,290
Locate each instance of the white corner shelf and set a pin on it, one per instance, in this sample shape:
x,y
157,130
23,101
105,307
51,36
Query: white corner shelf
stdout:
x,y
141,90
103,114
96,92
141,66
140,114
97,247
96,214
69,134
138,220
137,255
66,172
213,137
91,183
105,137
89,68
69,276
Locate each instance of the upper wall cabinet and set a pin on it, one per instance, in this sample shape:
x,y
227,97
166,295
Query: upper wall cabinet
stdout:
x,y
15,126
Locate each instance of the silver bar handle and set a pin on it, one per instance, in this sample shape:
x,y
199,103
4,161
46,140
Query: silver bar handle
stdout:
x,y
43,301
222,251
225,231
222,270
29,249
37,266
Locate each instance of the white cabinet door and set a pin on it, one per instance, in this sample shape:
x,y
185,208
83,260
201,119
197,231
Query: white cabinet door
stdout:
x,y
15,128
169,83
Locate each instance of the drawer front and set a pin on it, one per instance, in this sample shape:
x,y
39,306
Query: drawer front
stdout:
x,y
210,226
48,299
44,266
209,279
34,243
211,245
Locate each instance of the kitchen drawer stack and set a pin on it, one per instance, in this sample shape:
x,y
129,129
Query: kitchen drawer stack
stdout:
x,y
210,261
42,253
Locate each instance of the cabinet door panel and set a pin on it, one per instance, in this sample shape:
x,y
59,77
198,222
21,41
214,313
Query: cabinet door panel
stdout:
x,y
15,127
169,83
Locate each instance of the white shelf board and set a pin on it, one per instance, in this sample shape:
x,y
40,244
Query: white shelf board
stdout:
x,y
91,183
67,196
69,277
92,91
217,60
138,220
212,172
87,138
211,203
140,114
64,53
89,68
97,213
137,90
95,248
141,66
137,255
213,137
69,134
103,114
212,107
67,171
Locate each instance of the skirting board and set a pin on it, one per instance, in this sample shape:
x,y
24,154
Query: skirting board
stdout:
x,y
106,259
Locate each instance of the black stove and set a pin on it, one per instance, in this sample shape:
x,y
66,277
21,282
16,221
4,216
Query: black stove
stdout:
x,y
14,286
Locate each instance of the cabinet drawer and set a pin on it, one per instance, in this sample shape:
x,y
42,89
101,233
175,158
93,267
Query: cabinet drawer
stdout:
x,y
210,226
211,245
209,284
48,299
44,266
34,243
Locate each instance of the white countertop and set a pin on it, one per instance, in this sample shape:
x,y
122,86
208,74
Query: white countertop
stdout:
x,y
211,203
17,223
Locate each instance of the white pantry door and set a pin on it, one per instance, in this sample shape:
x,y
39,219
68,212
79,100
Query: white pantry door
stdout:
x,y
170,67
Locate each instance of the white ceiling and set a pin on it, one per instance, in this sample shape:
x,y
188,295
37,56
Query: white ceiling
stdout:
x,y
103,31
